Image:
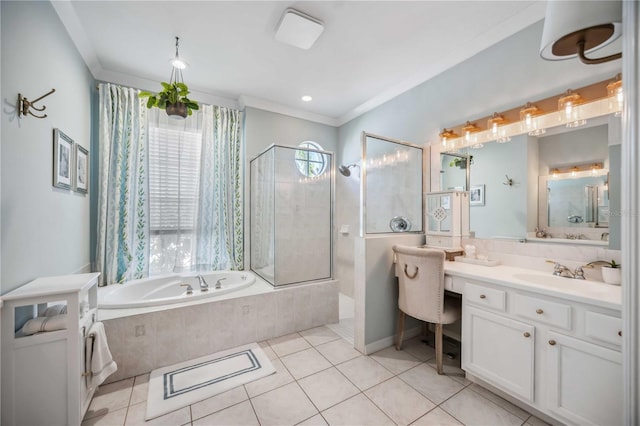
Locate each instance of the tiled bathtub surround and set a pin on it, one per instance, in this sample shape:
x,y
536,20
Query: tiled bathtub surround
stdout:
x,y
141,343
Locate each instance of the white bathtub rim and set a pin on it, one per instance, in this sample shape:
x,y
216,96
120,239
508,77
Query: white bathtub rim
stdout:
x,y
176,280
260,286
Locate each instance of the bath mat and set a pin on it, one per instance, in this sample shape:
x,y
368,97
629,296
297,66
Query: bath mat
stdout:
x,y
185,383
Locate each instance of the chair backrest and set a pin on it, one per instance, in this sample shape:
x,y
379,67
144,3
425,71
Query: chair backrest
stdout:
x,y
421,277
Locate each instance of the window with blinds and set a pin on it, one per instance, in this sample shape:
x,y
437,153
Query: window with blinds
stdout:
x,y
174,174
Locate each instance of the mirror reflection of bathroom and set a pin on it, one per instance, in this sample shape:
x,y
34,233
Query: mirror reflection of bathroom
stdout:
x,y
560,185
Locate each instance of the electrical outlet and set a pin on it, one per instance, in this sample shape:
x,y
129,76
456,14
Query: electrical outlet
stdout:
x,y
140,331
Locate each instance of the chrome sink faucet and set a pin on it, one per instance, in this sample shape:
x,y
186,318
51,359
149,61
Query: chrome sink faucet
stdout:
x,y
562,271
203,284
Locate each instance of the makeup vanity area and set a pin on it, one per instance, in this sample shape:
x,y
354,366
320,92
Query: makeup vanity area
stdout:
x,y
545,342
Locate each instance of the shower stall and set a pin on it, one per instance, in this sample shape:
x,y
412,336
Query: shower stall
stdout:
x,y
291,215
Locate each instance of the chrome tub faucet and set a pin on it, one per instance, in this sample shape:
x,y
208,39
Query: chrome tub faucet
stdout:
x,y
203,284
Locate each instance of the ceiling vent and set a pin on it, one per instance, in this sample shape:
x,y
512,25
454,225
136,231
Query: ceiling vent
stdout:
x,y
298,29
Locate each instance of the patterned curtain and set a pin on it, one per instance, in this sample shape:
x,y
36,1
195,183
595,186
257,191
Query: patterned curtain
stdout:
x,y
123,230
219,220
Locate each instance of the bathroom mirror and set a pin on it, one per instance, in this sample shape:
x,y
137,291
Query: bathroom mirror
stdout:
x,y
515,198
454,172
392,184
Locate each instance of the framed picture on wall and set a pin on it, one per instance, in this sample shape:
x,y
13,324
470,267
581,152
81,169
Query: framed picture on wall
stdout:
x,y
81,170
476,195
62,160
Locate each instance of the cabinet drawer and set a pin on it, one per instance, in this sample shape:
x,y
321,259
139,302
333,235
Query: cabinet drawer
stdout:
x,y
603,327
485,296
544,311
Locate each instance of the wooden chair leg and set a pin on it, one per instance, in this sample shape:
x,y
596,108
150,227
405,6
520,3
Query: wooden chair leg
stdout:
x,y
439,348
400,334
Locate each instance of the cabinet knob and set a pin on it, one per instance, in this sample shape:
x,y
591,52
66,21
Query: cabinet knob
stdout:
x,y
539,311
482,296
552,342
620,333
527,334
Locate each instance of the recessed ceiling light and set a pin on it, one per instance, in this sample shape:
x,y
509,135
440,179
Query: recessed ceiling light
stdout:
x,y
298,29
307,98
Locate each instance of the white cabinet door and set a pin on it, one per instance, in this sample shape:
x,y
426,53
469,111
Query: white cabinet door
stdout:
x,y
499,350
584,381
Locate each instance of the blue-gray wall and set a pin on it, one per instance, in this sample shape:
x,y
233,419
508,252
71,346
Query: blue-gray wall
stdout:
x,y
504,76
45,230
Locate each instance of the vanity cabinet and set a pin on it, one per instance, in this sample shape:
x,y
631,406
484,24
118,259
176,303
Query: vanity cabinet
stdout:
x,y
556,355
584,381
507,361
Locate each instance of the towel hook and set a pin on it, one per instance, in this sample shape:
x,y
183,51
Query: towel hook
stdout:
x,y
25,106
407,274
509,181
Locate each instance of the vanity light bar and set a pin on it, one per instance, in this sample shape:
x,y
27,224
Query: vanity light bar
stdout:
x,y
593,168
595,100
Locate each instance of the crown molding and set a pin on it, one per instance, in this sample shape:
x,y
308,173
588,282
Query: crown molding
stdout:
x,y
250,101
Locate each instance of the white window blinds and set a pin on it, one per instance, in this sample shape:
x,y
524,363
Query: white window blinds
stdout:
x,y
174,170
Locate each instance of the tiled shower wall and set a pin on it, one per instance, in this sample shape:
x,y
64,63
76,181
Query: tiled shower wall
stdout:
x,y
141,343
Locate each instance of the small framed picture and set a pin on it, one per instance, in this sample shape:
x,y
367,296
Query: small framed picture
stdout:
x,y
476,195
81,170
62,158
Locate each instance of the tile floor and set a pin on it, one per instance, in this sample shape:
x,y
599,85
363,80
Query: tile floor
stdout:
x,y
320,379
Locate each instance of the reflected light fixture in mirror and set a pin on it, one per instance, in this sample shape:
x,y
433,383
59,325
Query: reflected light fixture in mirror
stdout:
x,y
567,104
616,99
573,28
494,125
527,116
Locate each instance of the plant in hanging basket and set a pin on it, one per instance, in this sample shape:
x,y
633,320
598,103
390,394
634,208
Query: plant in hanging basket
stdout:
x,y
461,162
173,98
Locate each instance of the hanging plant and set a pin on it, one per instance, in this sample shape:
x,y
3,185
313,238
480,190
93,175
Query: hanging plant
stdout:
x,y
173,98
461,162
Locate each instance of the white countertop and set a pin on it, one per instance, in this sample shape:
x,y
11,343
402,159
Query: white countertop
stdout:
x,y
586,291
49,286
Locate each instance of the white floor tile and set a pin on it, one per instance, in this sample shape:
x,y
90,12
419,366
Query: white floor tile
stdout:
x,y
288,344
238,415
358,410
327,388
436,417
135,417
364,372
218,402
287,405
316,420
319,335
305,363
110,397
140,389
399,401
513,409
473,409
110,418
429,383
338,351
395,361
270,382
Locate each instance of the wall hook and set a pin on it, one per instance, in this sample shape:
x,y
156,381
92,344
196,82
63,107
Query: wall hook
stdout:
x,y
509,181
25,106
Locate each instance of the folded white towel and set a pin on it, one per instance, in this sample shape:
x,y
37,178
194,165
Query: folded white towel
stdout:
x,y
98,359
40,324
54,310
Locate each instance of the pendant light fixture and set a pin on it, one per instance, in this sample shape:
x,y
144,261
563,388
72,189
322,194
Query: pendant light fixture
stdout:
x,y
447,135
494,124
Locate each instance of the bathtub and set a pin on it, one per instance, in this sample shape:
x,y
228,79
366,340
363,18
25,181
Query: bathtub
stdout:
x,y
171,289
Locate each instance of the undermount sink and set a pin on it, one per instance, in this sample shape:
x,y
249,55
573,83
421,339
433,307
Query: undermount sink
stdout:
x,y
552,279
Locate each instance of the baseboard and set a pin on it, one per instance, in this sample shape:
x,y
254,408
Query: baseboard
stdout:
x,y
83,269
388,341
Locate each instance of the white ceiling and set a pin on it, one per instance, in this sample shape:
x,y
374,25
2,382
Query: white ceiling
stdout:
x,y
368,53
